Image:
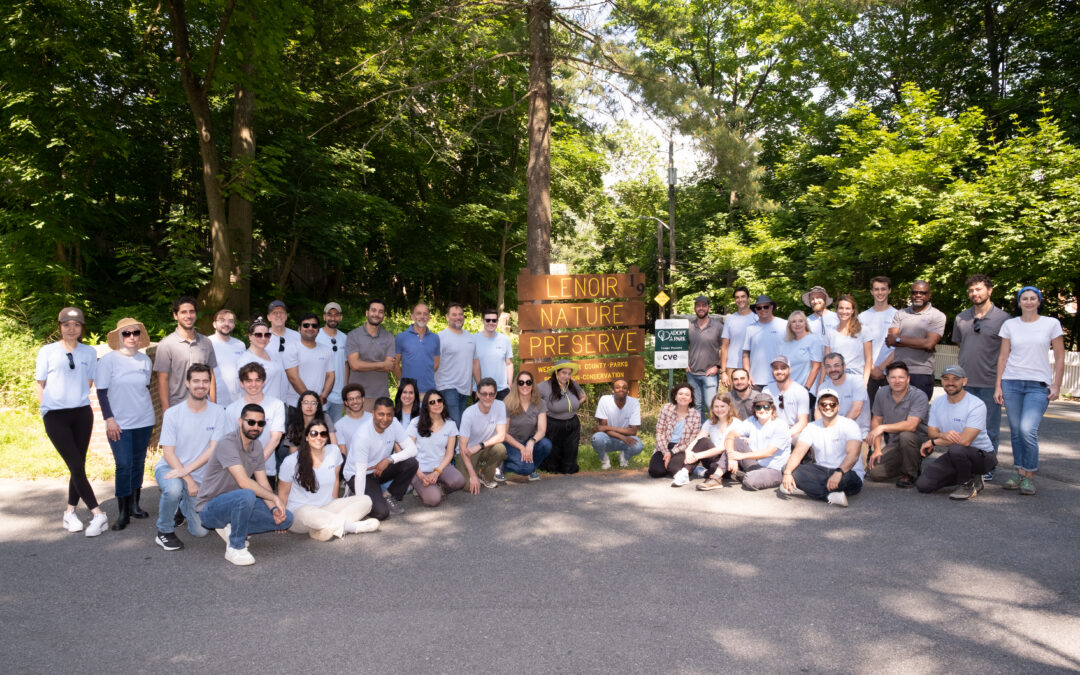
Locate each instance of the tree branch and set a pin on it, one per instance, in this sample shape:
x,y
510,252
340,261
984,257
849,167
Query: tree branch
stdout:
x,y
216,50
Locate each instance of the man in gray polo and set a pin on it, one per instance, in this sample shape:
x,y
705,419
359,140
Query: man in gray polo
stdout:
x,y
371,353
897,429
457,361
704,364
914,334
178,351
742,394
975,331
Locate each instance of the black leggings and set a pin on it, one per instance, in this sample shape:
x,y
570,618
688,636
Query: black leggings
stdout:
x,y
69,430
565,435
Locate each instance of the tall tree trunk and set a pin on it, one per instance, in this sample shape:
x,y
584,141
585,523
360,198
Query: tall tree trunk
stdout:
x,y
241,186
538,170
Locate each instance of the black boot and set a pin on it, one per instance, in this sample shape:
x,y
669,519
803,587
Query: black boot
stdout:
x,y
137,512
123,505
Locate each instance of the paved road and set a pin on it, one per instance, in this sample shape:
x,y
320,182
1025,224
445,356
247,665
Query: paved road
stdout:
x,y
593,573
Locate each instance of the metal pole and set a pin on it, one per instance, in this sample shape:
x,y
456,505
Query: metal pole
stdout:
x,y
671,212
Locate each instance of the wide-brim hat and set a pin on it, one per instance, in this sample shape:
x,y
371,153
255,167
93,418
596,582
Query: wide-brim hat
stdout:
x,y
116,342
564,364
816,289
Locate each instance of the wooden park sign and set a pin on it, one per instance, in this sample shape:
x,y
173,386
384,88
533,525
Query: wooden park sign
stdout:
x,y
548,333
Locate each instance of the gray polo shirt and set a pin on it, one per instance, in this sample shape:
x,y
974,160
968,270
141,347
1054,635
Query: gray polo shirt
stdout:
x,y
374,349
744,408
979,349
913,404
175,355
917,325
705,344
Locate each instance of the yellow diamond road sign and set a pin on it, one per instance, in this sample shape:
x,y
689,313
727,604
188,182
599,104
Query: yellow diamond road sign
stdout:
x,y
661,298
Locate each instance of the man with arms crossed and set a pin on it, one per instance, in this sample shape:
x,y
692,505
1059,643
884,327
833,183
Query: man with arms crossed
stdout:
x,y
480,438
913,335
957,423
618,416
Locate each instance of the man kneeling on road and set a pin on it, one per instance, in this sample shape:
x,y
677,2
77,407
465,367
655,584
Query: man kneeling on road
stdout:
x,y
897,429
235,497
837,471
958,423
480,439
618,417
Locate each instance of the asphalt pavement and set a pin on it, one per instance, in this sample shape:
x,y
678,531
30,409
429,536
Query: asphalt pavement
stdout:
x,y
601,572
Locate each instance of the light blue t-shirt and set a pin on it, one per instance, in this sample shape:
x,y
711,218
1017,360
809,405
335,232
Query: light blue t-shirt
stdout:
x,y
128,380
493,353
190,433
226,375
735,326
764,341
803,354
431,449
773,433
969,411
457,351
65,387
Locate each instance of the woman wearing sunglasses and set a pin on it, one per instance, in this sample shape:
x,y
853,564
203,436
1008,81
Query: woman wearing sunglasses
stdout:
x,y
64,373
760,450
435,435
259,336
526,420
562,397
308,483
308,409
123,384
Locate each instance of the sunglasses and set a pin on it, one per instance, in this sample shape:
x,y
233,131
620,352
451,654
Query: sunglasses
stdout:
x,y
255,423
491,321
333,341
920,292
762,406
827,405
309,325
281,345
486,394
525,383
263,336
130,333
315,433
71,360
977,325
758,308
781,401
433,401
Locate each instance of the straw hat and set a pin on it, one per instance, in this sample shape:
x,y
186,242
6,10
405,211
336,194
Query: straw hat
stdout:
x,y
116,342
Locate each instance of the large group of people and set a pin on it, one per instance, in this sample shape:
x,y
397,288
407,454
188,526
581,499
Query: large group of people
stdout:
x,y
297,431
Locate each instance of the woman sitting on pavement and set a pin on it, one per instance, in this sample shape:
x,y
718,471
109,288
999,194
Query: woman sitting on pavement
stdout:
x,y
435,435
526,421
677,428
710,450
760,449
308,482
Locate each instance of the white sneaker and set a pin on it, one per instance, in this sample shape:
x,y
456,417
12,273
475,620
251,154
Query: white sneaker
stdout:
x,y
360,526
682,477
837,498
239,556
605,462
623,461
98,524
72,522
791,493
224,532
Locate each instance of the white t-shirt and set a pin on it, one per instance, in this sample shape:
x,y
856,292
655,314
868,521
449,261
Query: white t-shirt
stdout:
x,y
128,380
493,353
274,410
347,426
314,363
336,345
969,411
773,433
325,477
875,325
850,347
796,402
456,354
476,427
431,449
289,358
734,332
627,416
1029,344
275,382
368,447
850,392
717,432
802,355
226,372
830,444
764,341
65,387
190,433
819,324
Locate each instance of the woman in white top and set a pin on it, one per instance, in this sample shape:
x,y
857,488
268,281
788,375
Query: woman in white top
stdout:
x,y
435,435
712,441
804,350
1026,383
123,384
259,336
407,402
64,373
850,340
308,483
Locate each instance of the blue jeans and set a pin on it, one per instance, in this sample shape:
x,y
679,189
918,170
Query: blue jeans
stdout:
x,y
541,450
245,513
455,403
130,455
1025,403
334,410
993,412
174,493
603,444
704,387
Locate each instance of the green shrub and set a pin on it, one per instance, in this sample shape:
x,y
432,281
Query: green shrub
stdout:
x,y
18,352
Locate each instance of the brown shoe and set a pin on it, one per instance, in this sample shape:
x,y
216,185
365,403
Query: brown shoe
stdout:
x,y
711,484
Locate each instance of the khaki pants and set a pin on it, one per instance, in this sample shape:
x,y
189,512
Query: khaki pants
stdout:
x,y
899,456
484,462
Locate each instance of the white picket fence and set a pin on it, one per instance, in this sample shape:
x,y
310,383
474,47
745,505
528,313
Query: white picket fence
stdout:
x,y
945,355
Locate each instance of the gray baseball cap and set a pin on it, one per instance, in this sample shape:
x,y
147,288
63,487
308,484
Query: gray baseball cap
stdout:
x,y
956,370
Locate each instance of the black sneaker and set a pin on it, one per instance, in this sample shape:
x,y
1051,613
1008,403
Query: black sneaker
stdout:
x,y
169,541
396,507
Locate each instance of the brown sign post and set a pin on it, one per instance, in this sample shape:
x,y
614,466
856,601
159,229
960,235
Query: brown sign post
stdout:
x,y
616,305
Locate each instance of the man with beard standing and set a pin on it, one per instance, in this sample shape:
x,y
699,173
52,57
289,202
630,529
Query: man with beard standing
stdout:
x,y
228,351
371,355
418,351
334,339
914,334
704,364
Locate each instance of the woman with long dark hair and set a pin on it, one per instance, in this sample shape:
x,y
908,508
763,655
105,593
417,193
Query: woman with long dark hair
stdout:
x,y
308,409
64,374
677,428
407,402
435,435
563,398
308,483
